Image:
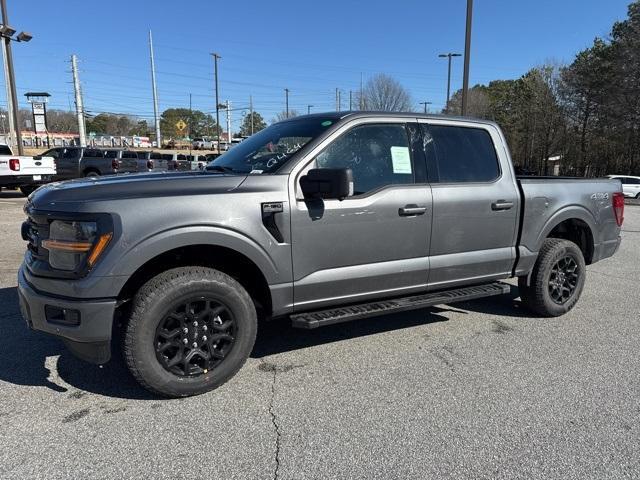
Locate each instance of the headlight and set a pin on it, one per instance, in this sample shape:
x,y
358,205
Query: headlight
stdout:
x,y
71,243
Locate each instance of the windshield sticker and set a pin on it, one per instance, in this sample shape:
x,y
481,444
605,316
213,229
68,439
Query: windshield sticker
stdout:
x,y
255,172
326,123
401,160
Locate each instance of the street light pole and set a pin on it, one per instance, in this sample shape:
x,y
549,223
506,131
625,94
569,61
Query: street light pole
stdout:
x,y
467,54
215,73
309,109
12,102
449,56
286,100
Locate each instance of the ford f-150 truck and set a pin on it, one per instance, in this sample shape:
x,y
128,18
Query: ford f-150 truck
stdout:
x,y
25,173
323,219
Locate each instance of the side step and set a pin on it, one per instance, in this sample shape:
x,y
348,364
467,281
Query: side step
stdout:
x,y
321,318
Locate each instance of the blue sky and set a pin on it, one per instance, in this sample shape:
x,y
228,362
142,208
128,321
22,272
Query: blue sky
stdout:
x,y
309,47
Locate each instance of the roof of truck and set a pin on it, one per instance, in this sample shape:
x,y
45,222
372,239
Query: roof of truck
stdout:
x,y
359,114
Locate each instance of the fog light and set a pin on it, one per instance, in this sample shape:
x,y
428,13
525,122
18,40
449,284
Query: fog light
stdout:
x,y
62,316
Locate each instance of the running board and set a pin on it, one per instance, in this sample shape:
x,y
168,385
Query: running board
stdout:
x,y
330,316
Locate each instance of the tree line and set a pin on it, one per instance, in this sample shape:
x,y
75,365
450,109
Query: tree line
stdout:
x,y
586,113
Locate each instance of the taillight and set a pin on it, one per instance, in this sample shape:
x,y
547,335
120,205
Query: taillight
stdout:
x,y
115,164
150,164
14,164
618,207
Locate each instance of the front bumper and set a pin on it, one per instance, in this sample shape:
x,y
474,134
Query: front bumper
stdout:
x,y
90,340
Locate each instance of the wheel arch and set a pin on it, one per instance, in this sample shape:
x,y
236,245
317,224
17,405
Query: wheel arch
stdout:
x,y
576,225
224,259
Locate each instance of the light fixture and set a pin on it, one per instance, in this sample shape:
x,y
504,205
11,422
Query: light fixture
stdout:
x,y
24,37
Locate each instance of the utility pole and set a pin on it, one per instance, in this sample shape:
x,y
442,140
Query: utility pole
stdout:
x,y
286,100
251,111
309,109
467,55
12,125
79,107
12,98
350,100
337,99
156,118
449,55
361,93
228,124
215,73
425,105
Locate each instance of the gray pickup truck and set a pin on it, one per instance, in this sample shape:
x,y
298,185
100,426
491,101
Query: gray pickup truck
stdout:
x,y
322,219
76,162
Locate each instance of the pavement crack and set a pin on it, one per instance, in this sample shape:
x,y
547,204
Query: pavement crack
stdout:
x,y
276,426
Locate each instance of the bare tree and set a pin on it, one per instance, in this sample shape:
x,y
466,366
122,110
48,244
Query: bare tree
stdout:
x,y
283,115
385,93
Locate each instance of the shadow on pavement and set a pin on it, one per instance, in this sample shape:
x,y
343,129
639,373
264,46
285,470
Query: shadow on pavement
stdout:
x,y
12,194
24,353
23,358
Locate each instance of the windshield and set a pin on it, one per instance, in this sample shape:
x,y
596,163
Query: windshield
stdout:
x,y
269,149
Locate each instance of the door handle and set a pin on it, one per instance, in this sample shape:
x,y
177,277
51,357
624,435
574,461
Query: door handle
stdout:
x,y
411,210
501,205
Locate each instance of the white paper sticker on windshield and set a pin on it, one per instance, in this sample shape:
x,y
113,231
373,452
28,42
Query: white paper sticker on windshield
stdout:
x,y
255,172
401,160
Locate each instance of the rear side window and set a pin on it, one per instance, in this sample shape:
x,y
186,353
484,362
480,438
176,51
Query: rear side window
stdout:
x,y
156,155
460,154
142,155
111,154
129,155
93,153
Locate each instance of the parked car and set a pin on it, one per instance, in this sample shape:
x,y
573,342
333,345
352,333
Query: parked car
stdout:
x,y
123,161
25,173
177,161
152,161
630,185
203,143
75,162
323,219
197,162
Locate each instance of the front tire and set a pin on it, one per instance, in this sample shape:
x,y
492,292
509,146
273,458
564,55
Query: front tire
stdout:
x,y
191,329
557,279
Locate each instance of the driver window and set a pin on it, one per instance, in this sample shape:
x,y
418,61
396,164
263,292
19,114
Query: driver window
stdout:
x,y
378,155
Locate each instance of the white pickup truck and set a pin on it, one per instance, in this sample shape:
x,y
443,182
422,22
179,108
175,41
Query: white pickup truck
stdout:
x,y
25,173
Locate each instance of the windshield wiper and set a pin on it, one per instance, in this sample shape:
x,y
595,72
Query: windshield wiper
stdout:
x,y
220,168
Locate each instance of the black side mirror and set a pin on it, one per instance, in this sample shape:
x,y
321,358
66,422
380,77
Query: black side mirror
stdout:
x,y
327,183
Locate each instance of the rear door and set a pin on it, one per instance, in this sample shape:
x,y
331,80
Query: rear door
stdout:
x,y
475,203
376,242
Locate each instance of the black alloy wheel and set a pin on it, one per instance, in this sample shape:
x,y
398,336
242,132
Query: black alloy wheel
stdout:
x,y
563,280
195,336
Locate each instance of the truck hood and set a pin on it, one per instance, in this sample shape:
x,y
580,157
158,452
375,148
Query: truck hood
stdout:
x,y
76,194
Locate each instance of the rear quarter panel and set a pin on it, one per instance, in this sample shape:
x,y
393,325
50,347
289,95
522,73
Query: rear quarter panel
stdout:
x,y
548,202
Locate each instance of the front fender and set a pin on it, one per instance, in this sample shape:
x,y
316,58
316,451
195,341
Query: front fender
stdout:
x,y
162,242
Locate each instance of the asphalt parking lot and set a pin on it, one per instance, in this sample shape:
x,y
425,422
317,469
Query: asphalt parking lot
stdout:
x,y
473,390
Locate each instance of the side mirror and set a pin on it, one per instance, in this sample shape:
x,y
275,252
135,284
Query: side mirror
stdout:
x,y
327,183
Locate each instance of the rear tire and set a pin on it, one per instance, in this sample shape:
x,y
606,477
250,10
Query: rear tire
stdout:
x,y
161,332
557,279
28,189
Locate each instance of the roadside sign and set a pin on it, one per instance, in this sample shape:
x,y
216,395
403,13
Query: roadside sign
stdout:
x,y
180,125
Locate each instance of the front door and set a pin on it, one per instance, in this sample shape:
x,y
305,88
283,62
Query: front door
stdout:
x,y
475,204
376,242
